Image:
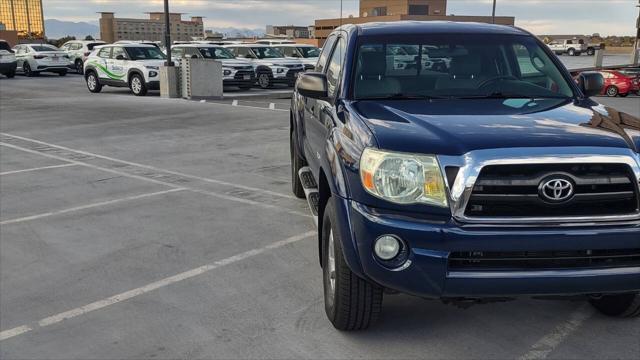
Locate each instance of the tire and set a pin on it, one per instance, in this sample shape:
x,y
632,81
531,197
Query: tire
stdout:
x,y
297,163
137,85
612,91
591,51
26,68
624,305
265,81
11,74
93,82
351,303
62,73
79,67
572,52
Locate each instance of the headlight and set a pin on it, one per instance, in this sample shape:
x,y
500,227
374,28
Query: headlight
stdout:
x,y
226,72
280,70
152,67
403,178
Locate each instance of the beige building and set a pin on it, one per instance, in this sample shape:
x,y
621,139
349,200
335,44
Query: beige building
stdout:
x,y
398,10
25,17
113,29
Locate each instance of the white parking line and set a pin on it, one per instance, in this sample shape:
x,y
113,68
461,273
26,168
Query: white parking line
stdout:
x,y
37,169
121,173
234,103
213,181
549,342
7,334
88,206
272,106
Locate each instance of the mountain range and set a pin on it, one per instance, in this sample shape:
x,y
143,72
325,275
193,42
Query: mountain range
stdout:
x,y
56,29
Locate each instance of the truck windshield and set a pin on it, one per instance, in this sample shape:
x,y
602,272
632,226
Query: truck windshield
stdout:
x,y
267,53
216,53
457,66
309,52
145,53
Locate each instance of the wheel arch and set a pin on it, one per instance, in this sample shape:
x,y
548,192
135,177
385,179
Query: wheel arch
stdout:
x,y
132,72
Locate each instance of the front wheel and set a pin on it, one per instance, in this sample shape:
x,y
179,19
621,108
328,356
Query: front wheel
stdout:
x,y
137,85
612,91
11,74
623,305
26,68
93,83
572,52
591,51
264,80
351,303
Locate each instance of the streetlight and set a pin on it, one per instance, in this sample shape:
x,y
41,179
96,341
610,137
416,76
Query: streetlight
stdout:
x,y
493,15
167,33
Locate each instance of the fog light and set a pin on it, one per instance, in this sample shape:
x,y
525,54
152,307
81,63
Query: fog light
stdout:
x,y
387,247
153,74
280,70
227,72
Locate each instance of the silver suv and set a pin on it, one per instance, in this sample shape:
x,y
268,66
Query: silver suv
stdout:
x,y
79,50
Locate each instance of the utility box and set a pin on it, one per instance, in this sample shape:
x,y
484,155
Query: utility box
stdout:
x,y
201,79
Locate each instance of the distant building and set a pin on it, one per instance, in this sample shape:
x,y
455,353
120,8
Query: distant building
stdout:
x,y
113,29
23,16
398,10
288,31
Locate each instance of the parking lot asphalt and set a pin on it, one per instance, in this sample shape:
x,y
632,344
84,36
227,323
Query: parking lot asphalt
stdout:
x,y
154,228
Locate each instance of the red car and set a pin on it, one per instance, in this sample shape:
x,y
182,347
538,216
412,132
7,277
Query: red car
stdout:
x,y
616,83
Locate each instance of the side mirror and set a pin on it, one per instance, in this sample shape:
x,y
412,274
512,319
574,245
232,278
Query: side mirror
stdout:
x,y
591,83
120,57
248,56
194,56
312,85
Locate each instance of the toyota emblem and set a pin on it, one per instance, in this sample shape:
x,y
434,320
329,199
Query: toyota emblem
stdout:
x,y
556,190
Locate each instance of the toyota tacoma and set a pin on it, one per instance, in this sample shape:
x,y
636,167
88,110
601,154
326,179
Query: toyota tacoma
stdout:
x,y
493,178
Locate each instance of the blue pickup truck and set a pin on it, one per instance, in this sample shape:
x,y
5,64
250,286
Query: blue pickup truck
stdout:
x,y
461,162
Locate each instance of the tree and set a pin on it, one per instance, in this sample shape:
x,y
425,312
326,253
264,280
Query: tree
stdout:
x,y
89,38
61,41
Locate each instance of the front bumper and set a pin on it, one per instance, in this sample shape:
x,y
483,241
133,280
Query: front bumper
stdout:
x,y
431,244
153,85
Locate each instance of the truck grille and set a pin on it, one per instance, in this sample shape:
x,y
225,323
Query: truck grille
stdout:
x,y
515,191
536,260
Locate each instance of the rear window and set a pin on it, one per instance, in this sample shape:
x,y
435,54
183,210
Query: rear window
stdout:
x,y
93,45
39,48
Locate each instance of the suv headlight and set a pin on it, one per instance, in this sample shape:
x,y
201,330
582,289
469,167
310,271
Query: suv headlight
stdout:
x,y
403,178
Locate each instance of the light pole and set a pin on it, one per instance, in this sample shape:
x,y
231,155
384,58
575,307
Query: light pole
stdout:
x,y
167,33
493,14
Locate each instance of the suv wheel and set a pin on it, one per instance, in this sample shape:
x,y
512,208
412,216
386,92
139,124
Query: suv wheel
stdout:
x,y
79,67
264,80
296,164
623,305
351,303
93,83
137,85
62,73
26,68
11,74
591,51
572,52
612,91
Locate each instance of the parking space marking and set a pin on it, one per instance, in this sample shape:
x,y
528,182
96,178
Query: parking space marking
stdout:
x,y
146,178
234,103
88,206
541,349
51,320
37,169
272,106
214,181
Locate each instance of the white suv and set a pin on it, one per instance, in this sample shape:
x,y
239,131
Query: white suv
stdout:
x,y
235,72
308,54
270,65
136,66
8,61
79,50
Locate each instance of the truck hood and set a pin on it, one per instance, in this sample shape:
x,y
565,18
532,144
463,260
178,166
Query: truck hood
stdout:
x,y
455,127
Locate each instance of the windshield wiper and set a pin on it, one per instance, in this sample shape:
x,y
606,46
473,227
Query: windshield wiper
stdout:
x,y
504,95
401,96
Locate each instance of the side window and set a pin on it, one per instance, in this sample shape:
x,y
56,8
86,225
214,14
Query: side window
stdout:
x,y
105,53
525,62
64,47
77,46
242,52
118,51
326,50
334,67
177,52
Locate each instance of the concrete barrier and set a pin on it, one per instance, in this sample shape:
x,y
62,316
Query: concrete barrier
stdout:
x,y
201,79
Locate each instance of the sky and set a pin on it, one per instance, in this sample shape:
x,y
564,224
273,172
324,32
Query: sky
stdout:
x,y
607,17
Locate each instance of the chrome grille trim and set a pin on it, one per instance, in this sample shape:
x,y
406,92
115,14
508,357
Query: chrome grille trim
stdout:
x,y
471,164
